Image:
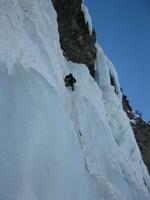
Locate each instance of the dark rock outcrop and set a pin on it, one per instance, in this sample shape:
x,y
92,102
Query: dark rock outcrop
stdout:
x,y
141,130
77,43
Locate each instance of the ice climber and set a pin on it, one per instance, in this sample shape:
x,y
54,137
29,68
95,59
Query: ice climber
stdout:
x,y
70,81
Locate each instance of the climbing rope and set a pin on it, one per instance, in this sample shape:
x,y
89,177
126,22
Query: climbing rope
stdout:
x,y
76,119
78,131
90,164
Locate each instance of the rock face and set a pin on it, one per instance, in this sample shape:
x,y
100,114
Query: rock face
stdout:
x,y
77,43
141,130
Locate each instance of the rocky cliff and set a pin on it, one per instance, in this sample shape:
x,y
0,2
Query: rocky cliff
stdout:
x,y
141,130
77,42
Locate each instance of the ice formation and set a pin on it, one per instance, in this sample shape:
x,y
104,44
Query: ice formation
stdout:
x,y
104,71
87,17
57,144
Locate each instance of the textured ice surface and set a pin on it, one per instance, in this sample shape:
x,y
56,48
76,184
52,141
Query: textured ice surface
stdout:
x,y
57,144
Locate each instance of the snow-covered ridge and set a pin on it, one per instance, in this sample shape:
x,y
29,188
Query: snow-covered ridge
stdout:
x,y
57,144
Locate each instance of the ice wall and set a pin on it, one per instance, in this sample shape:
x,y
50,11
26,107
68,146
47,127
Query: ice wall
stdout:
x,y
57,144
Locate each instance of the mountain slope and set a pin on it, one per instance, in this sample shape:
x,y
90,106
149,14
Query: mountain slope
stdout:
x,y
54,143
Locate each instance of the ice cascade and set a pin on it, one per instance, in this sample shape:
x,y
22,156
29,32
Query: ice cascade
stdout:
x,y
57,144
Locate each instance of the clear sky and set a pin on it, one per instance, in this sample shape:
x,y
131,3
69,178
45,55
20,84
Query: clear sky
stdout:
x,y
123,31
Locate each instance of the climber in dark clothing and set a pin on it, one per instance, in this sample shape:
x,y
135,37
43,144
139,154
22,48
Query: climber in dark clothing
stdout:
x,y
70,81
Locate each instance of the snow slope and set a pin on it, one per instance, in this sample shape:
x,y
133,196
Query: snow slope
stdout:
x,y
57,144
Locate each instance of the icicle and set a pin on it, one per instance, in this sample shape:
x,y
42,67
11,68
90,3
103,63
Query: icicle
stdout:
x,y
87,17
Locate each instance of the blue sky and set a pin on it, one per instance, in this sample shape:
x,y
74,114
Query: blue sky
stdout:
x,y
123,31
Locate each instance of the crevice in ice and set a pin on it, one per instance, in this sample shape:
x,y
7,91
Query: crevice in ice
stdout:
x,y
112,82
10,22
